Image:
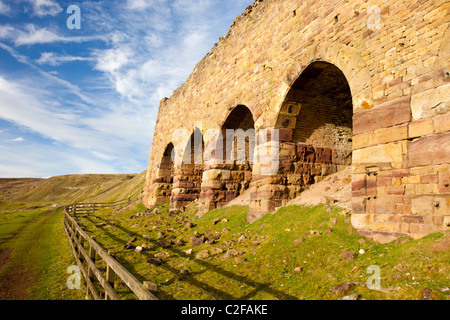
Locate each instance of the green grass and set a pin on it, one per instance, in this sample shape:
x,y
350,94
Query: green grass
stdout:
x,y
270,256
40,254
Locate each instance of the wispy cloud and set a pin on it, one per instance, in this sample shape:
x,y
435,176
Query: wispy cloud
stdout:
x,y
144,4
43,8
4,8
18,139
34,36
54,59
74,128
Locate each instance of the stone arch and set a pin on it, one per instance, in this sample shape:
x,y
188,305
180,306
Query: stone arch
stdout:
x,y
348,59
188,173
240,118
318,110
230,173
315,136
162,185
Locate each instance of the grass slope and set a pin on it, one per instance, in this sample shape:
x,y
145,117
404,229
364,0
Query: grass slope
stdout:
x,y
269,264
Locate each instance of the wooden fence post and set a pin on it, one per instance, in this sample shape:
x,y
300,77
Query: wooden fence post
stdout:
x,y
75,209
110,274
92,255
81,240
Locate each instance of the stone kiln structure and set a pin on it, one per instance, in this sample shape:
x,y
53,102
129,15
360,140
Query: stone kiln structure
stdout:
x,y
360,83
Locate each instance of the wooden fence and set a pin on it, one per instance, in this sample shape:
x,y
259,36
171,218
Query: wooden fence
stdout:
x,y
86,252
90,208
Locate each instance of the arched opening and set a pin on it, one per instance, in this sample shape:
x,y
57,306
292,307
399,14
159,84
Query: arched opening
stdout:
x,y
163,183
188,174
238,132
231,173
326,109
315,136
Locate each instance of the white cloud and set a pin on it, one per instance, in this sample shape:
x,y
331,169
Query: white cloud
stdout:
x,y
54,59
112,60
144,4
115,140
30,108
4,8
43,35
43,8
8,32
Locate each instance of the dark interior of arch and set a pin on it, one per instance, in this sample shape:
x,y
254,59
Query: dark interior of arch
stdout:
x,y
194,149
188,175
325,117
240,118
164,180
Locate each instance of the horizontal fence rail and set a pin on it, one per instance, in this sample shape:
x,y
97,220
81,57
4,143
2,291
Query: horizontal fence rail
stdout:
x,y
86,251
91,208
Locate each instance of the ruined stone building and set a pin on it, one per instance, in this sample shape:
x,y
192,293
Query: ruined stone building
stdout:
x,y
356,82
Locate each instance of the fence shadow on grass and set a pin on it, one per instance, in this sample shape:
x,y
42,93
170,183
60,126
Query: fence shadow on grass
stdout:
x,y
205,287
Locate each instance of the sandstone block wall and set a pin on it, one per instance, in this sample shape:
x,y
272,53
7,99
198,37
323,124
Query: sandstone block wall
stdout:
x,y
360,83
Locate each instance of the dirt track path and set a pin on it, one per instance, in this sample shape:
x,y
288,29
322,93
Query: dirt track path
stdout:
x,y
21,263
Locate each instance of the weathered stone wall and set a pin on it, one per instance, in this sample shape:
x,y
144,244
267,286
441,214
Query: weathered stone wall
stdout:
x,y
399,82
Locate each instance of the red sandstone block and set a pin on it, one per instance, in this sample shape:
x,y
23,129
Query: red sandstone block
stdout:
x,y
385,174
305,153
183,184
323,155
371,186
359,187
184,197
396,189
230,195
384,182
400,173
429,150
387,114
412,219
386,204
429,178
358,205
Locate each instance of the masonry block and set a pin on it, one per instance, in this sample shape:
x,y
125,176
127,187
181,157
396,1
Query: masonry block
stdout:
x,y
430,150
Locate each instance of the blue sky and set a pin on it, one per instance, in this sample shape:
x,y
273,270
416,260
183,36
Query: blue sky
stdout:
x,y
86,100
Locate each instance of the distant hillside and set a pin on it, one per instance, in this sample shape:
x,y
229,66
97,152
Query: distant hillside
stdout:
x,y
67,189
